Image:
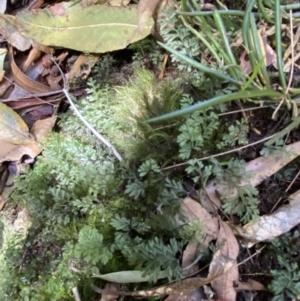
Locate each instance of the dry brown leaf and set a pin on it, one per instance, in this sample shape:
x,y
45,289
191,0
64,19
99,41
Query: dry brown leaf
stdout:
x,y
259,168
229,248
77,71
42,127
194,211
33,55
183,287
270,226
24,81
111,287
250,285
189,256
10,152
195,295
146,9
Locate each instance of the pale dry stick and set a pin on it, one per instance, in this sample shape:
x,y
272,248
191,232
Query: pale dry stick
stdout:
x,y
76,293
291,70
288,188
221,154
79,115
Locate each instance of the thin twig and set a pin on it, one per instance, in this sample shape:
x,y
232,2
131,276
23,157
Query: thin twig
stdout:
x,y
100,137
76,293
291,184
221,154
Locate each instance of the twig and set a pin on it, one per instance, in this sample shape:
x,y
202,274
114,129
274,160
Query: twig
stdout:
x,y
221,154
295,178
100,137
76,293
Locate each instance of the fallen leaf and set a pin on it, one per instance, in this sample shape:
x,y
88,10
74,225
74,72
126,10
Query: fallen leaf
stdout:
x,y
12,127
10,32
183,287
259,168
146,9
111,287
190,254
127,277
82,67
250,285
11,152
118,2
194,211
229,248
96,28
29,85
270,226
195,295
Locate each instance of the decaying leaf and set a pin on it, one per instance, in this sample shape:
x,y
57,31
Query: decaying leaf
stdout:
x,y
259,168
3,52
96,28
82,67
229,248
24,81
12,127
194,211
270,226
250,285
111,287
11,152
146,9
184,286
10,32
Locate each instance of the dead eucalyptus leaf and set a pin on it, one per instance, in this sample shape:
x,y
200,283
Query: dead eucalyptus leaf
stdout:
x,y
24,81
259,168
111,287
270,226
82,67
194,211
146,9
250,285
229,248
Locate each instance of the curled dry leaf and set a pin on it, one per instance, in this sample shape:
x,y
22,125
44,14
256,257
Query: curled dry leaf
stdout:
x,y
24,81
270,226
259,168
229,248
